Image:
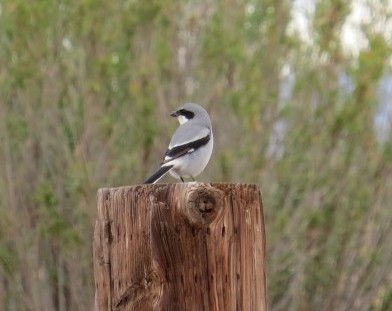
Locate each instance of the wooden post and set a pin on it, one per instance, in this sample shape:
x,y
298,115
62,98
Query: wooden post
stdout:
x,y
185,246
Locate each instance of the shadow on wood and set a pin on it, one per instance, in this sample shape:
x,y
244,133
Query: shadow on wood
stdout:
x,y
189,246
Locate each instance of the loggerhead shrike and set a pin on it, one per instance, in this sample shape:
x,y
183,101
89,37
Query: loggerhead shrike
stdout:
x,y
190,147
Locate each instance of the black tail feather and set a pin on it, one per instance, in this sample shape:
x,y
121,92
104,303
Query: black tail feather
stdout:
x,y
158,174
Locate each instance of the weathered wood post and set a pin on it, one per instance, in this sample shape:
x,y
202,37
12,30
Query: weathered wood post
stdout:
x,y
185,246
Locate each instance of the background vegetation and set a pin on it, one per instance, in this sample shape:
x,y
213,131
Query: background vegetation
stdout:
x,y
86,87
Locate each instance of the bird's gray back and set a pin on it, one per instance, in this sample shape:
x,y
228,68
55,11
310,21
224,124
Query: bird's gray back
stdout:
x,y
188,132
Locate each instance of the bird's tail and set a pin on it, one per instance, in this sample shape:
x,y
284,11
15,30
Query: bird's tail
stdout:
x,y
158,174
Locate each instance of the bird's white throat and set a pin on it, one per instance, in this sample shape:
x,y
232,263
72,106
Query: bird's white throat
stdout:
x,y
182,119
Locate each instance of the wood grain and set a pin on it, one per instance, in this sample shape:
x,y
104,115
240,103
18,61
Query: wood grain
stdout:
x,y
186,246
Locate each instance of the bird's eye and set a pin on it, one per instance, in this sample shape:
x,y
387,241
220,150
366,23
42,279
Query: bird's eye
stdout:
x,y
186,113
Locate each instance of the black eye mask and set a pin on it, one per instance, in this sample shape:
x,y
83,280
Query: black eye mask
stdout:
x,y
186,113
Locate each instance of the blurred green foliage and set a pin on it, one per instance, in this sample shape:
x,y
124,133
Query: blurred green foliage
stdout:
x,y
85,91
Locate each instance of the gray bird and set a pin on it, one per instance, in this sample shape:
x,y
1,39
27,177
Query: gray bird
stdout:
x,y
190,147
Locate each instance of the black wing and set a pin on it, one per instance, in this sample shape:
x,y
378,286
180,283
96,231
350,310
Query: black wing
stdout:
x,y
180,150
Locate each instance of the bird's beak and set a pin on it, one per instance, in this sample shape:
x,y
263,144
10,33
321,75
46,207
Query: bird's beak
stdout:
x,y
174,114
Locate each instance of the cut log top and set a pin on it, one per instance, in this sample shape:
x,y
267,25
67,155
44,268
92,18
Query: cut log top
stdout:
x,y
185,246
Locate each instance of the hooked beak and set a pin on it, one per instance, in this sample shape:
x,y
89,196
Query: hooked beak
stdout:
x,y
174,114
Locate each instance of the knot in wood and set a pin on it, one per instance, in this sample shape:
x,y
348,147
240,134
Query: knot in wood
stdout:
x,y
203,204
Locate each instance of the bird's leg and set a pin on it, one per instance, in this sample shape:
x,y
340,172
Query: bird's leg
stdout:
x,y
193,179
182,179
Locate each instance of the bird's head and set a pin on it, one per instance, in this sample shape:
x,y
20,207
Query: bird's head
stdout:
x,y
183,115
188,112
